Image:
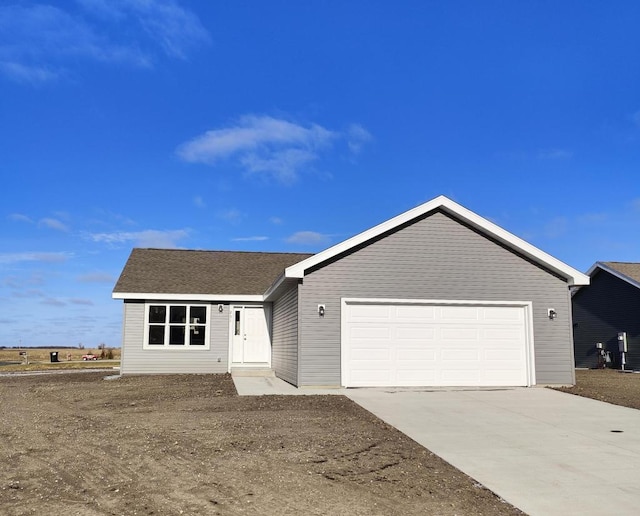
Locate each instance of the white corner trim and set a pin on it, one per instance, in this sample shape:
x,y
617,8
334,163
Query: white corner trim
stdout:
x,y
613,272
187,297
573,276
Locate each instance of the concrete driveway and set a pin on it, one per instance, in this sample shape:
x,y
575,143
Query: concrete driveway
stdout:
x,y
543,451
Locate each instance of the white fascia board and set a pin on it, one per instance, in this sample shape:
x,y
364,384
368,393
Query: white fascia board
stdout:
x,y
613,272
573,276
188,297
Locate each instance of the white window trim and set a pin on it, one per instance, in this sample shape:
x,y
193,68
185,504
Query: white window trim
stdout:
x,y
175,347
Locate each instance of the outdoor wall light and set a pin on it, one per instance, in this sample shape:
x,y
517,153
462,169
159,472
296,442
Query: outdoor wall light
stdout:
x,y
551,312
220,308
321,310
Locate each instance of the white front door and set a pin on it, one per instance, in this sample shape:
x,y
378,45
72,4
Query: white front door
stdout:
x,y
250,342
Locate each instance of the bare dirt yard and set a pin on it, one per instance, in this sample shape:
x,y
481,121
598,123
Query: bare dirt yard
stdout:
x,y
76,444
608,385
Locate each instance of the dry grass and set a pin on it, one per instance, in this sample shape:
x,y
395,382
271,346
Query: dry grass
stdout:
x,y
39,359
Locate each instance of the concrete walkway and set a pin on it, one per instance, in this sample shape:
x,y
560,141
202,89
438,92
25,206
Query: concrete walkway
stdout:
x,y
260,385
546,452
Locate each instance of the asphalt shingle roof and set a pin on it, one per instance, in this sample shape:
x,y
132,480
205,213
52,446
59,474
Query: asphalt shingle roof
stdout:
x,y
174,271
629,269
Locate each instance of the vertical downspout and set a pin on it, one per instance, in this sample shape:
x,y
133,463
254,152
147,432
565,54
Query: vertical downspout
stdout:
x,y
572,347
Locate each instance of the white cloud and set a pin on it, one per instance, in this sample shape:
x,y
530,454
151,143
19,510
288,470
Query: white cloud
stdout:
x,y
28,294
96,277
233,216
53,302
6,258
556,227
555,154
261,144
41,40
199,202
54,224
283,165
148,238
250,239
308,238
80,301
175,29
19,217
33,74
20,282
276,220
593,218
357,137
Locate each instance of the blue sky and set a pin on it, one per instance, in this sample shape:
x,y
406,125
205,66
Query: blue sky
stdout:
x,y
289,126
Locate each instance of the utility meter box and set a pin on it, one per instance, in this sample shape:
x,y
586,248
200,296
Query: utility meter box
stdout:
x,y
622,342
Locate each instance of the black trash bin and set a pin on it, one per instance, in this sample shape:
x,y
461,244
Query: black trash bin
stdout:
x,y
54,356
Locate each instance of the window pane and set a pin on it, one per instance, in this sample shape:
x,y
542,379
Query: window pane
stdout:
x,y
197,336
176,335
178,314
156,335
199,313
236,330
157,314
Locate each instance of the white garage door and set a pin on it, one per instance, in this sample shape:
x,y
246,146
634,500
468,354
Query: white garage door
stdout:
x,y
400,344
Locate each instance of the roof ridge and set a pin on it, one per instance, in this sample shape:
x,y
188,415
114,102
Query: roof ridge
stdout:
x,y
216,251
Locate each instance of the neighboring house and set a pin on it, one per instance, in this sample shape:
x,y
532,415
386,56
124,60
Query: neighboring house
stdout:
x,y
611,304
435,296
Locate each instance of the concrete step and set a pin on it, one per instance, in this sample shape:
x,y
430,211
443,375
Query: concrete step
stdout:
x,y
263,372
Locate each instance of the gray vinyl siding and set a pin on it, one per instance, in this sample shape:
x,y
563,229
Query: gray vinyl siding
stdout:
x,y
607,306
136,360
284,358
434,258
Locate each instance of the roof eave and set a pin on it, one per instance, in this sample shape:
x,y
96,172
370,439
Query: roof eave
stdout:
x,y
188,297
613,272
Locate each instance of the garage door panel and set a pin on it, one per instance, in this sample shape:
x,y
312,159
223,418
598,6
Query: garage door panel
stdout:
x,y
371,377
460,377
365,355
450,333
459,313
418,376
408,313
459,354
369,313
502,355
502,314
508,334
448,345
373,331
412,333
416,354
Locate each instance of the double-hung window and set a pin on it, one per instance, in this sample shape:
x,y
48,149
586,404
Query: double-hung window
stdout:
x,y
177,326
